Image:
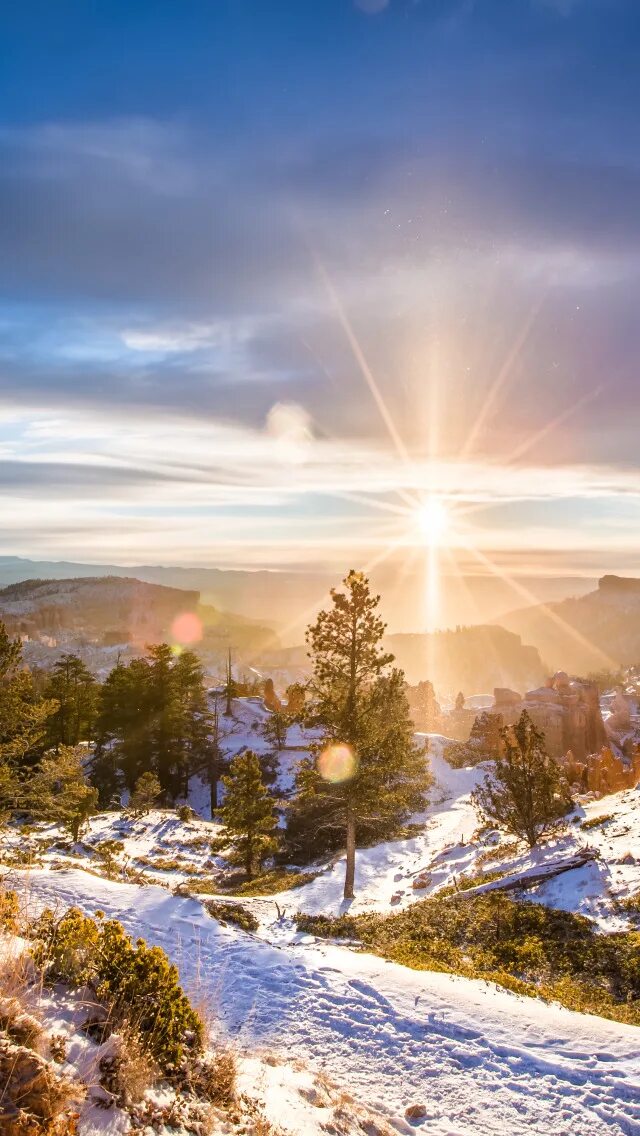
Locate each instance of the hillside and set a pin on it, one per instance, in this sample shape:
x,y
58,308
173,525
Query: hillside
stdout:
x,y
478,1058
471,659
117,612
599,631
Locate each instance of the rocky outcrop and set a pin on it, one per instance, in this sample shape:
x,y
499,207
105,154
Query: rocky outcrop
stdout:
x,y
566,711
603,772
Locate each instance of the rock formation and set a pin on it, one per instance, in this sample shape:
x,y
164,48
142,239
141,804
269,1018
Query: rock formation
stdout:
x,y
566,711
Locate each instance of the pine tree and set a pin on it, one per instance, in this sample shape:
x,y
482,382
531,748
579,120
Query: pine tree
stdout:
x,y
248,812
23,722
146,792
460,700
295,701
195,719
425,708
274,729
368,774
59,791
527,794
217,762
229,687
123,728
167,728
76,691
154,717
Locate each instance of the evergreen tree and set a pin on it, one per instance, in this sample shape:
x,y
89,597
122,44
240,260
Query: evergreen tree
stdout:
x,y
229,687
217,762
248,812
59,792
144,797
167,740
274,729
425,708
368,775
123,729
460,701
23,722
295,701
485,742
154,717
196,722
527,794
76,691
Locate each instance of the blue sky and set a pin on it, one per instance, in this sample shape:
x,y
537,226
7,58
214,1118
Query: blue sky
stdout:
x,y
274,274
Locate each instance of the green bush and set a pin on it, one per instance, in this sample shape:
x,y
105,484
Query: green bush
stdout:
x,y
66,949
631,904
185,813
141,987
595,822
232,913
270,883
136,982
553,953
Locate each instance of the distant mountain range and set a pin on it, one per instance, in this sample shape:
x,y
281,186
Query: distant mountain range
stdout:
x,y
583,634
591,633
289,599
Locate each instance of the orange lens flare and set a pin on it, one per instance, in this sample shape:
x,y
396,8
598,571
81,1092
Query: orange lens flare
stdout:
x,y
186,629
337,763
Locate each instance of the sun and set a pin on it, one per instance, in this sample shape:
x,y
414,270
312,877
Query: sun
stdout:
x,y
434,520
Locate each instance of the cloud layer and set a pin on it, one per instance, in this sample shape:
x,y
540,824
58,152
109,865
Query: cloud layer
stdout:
x,y
249,302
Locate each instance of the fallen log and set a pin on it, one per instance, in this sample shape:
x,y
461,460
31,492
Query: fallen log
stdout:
x,y
531,877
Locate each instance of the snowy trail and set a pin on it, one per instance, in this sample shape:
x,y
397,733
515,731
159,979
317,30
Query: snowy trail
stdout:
x,y
483,1061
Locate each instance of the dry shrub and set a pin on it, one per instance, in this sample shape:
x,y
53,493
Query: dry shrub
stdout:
x,y
19,998
16,1021
212,1077
127,1071
35,1100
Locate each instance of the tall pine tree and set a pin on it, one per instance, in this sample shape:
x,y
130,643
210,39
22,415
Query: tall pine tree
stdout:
x,y
23,722
248,812
154,718
367,776
77,694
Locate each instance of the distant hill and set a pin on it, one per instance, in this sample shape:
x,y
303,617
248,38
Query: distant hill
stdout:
x,y
108,610
586,634
471,659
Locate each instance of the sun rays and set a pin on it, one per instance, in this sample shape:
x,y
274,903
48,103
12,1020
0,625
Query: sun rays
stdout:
x,y
433,521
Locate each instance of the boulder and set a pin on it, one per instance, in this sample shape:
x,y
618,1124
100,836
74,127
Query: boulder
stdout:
x,y
504,697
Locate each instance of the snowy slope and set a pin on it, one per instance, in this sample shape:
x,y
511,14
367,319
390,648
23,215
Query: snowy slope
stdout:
x,y
482,1060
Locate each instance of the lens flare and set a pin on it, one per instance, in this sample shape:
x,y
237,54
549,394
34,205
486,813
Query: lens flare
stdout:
x,y
186,629
337,763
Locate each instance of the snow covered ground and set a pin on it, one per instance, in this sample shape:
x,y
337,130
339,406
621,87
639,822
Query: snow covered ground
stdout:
x,y
481,1060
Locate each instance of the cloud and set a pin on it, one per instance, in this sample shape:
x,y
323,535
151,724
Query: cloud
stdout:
x,y
169,339
371,7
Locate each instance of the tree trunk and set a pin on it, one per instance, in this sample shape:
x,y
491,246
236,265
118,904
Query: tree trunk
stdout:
x,y
213,791
350,873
